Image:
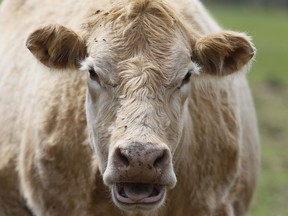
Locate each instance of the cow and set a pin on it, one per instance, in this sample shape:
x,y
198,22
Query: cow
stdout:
x,y
130,107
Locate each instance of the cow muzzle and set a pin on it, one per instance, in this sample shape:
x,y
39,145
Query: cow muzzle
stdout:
x,y
139,175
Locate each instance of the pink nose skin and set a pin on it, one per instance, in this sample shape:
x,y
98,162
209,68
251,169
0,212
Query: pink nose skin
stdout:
x,y
142,156
146,163
139,159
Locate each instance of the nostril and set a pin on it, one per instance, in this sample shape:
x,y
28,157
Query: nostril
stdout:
x,y
121,158
136,156
162,160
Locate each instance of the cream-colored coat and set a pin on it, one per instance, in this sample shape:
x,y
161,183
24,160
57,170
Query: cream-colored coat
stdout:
x,y
46,163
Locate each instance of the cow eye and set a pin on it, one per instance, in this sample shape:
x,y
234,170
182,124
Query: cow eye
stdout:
x,y
93,75
186,79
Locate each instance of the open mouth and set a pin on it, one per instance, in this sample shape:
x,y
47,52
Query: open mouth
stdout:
x,y
136,193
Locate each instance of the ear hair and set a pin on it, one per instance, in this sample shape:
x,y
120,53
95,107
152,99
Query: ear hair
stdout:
x,y
223,53
57,47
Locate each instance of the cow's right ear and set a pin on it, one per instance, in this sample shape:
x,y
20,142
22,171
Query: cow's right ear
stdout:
x,y
57,47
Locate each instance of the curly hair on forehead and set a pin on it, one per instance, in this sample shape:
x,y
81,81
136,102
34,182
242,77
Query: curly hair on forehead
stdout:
x,y
126,16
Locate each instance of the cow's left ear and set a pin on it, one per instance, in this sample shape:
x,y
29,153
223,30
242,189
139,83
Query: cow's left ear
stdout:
x,y
223,53
57,47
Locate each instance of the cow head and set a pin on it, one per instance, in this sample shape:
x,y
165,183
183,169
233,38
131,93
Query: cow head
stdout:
x,y
139,58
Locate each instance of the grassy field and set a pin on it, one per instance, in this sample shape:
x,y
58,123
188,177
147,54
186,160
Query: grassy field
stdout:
x,y
269,83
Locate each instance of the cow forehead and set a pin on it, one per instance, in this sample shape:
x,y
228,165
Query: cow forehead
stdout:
x,y
139,40
126,16
137,28
143,67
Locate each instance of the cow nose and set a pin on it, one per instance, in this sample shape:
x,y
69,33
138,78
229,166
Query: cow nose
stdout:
x,y
142,156
140,163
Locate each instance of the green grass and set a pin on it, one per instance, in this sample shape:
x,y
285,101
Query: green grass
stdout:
x,y
269,83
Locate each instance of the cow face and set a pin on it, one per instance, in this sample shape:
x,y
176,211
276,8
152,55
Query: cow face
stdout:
x,y
139,61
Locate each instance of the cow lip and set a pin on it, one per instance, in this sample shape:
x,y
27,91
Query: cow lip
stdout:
x,y
138,193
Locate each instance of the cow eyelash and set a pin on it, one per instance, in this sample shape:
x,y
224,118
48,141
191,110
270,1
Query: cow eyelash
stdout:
x,y
186,79
93,75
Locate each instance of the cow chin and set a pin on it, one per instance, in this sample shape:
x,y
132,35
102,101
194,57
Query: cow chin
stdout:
x,y
138,196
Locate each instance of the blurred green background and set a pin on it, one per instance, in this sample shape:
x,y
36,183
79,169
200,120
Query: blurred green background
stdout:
x,y
267,22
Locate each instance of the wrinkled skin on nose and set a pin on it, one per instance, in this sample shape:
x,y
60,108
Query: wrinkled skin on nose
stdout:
x,y
140,163
140,174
